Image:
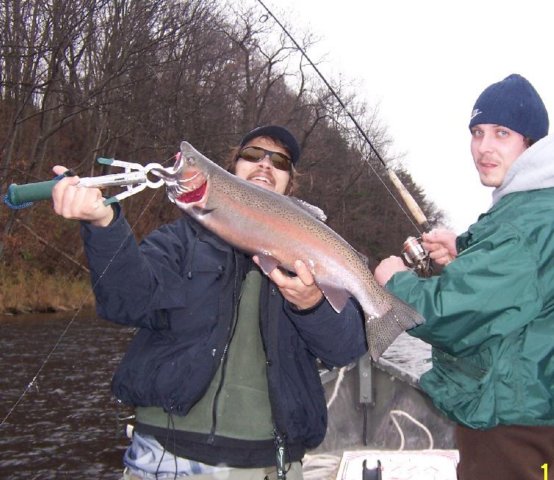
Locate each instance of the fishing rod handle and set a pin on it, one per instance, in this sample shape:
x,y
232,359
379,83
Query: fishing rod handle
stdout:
x,y
31,192
409,200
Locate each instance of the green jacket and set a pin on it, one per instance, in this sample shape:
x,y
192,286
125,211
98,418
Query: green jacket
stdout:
x,y
490,314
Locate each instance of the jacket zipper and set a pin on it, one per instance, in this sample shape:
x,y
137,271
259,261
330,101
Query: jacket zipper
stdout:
x,y
233,326
279,439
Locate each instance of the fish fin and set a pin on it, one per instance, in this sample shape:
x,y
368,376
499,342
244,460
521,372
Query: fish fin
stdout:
x,y
201,211
381,331
268,263
311,209
363,257
337,297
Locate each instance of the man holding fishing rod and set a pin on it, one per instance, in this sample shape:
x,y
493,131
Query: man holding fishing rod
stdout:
x,y
222,371
490,313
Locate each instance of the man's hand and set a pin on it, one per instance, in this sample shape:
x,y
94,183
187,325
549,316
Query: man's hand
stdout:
x,y
387,268
301,290
441,245
79,203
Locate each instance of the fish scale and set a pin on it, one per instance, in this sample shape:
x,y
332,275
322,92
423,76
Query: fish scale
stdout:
x,y
280,230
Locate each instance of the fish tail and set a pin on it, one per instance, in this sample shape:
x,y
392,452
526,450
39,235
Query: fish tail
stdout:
x,y
381,331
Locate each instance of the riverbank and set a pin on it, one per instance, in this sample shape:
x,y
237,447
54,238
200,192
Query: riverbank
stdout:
x,y
35,291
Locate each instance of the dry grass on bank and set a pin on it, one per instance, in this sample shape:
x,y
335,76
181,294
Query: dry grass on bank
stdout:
x,y
35,291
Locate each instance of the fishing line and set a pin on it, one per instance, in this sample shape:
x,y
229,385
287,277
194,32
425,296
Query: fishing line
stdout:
x,y
33,382
392,175
407,197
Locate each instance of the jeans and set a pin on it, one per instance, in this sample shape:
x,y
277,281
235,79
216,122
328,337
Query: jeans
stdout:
x,y
146,459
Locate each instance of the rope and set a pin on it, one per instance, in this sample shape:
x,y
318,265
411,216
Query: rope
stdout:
x,y
338,383
6,200
392,414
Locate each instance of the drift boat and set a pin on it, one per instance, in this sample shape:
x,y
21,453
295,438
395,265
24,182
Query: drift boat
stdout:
x,y
378,412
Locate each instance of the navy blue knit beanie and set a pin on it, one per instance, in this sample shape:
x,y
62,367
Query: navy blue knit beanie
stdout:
x,y
278,133
512,103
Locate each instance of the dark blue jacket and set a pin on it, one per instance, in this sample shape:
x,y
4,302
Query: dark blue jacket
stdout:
x,y
180,288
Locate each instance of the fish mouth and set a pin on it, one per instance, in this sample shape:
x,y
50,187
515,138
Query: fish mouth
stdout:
x,y
185,183
191,196
190,187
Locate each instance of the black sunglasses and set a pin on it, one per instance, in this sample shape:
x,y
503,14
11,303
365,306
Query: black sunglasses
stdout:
x,y
255,154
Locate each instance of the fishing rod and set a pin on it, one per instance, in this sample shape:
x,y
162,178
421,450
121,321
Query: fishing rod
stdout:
x,y
413,252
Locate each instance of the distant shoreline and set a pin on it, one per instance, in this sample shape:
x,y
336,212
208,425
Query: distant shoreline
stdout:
x,y
28,291
28,310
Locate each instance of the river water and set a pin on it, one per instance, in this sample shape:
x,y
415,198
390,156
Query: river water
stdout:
x,y
59,420
65,425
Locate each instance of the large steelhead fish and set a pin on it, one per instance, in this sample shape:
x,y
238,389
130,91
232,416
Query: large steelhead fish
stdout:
x,y
280,230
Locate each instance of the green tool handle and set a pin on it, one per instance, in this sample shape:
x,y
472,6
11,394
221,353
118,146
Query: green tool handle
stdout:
x,y
31,192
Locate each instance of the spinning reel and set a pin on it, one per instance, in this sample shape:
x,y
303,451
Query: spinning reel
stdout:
x,y
416,257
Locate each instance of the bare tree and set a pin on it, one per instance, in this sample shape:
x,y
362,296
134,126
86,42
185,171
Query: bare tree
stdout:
x,y
130,79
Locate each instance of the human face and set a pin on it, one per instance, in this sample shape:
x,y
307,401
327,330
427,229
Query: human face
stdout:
x,y
494,149
263,173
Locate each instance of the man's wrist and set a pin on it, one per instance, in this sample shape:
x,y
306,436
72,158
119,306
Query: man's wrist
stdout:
x,y
107,220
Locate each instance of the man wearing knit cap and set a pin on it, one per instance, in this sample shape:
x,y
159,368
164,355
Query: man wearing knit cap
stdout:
x,y
490,312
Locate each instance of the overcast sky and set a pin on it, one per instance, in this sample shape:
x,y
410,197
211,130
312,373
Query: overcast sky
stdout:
x,y
424,63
